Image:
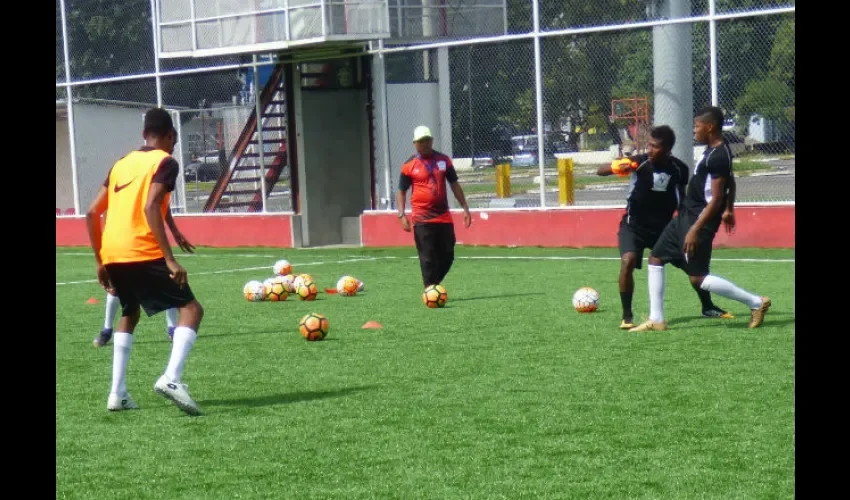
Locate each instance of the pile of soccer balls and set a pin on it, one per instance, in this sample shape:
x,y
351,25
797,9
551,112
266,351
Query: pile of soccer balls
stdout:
x,y
284,282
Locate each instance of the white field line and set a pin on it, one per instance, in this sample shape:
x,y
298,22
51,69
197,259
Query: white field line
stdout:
x,y
225,271
472,257
182,255
579,257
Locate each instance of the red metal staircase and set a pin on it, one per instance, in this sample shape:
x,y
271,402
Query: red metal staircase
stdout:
x,y
238,188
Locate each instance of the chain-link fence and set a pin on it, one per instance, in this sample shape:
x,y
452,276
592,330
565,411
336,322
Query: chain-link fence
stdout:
x,y
586,85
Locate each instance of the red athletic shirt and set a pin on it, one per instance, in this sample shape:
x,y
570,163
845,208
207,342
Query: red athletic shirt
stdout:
x,y
428,175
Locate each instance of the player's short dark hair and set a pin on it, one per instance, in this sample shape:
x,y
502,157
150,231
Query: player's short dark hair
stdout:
x,y
158,122
665,135
713,115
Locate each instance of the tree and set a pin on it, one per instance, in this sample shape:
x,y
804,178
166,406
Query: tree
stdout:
x,y
772,95
109,38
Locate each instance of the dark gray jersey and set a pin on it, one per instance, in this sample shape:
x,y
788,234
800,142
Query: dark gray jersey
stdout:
x,y
715,162
654,192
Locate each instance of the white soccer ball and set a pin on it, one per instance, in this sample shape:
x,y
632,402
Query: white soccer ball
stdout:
x,y
282,267
254,291
586,299
347,286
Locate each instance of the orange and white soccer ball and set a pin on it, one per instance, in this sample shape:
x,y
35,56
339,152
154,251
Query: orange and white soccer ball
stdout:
x,y
435,296
347,286
282,267
288,282
307,290
300,279
275,291
254,291
314,326
586,300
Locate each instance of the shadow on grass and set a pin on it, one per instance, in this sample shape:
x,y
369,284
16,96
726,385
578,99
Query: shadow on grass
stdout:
x,y
739,321
280,399
501,296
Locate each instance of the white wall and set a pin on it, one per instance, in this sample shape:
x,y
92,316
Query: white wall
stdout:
x,y
103,135
64,177
410,105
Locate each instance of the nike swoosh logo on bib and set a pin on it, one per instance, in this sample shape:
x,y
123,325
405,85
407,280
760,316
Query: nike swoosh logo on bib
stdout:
x,y
122,186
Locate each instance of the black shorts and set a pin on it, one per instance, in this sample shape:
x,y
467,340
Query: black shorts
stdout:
x,y
633,239
435,243
434,238
147,284
670,247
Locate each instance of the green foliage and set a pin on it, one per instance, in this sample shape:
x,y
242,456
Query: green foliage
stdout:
x,y
110,38
772,95
767,97
492,85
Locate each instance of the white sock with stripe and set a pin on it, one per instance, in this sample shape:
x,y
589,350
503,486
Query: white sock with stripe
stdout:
x,y
171,317
656,293
184,339
726,288
122,344
112,303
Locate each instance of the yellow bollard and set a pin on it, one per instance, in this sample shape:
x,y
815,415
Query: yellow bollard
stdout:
x,y
503,180
566,183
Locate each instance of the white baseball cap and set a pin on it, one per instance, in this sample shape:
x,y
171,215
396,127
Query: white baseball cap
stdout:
x,y
421,132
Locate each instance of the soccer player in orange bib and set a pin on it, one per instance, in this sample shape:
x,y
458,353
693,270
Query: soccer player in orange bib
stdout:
x,y
112,301
134,258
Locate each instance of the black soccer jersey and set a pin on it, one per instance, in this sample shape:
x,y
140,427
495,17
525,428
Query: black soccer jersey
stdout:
x,y
653,192
715,162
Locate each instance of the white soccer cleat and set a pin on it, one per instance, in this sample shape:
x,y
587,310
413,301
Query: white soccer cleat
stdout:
x,y
178,394
119,402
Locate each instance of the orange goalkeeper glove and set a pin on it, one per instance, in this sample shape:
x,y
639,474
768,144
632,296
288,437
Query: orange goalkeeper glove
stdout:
x,y
622,167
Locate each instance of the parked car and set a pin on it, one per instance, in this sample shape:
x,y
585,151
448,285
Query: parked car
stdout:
x,y
201,172
525,148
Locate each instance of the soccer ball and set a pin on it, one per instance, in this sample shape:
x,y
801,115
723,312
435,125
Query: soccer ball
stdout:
x,y
254,291
268,281
288,282
307,290
347,286
275,291
435,296
313,326
586,300
282,267
300,279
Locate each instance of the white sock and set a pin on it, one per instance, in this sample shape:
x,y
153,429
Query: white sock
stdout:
x,y
122,343
112,303
656,293
726,288
171,317
184,339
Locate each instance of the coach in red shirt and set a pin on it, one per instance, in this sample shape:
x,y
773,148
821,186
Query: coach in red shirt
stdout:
x,y
433,230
